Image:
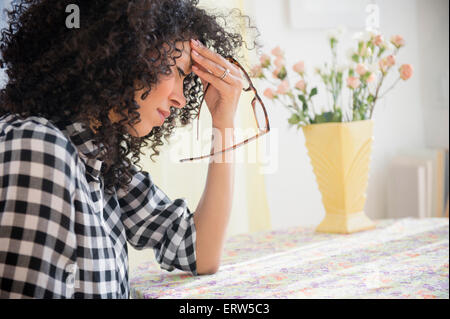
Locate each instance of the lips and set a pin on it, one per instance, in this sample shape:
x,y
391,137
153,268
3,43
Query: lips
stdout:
x,y
164,113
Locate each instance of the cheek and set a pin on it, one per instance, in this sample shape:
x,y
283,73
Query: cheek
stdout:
x,y
160,93
164,89
157,98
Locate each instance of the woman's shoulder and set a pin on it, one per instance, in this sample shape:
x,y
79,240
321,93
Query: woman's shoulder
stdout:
x,y
13,122
33,129
10,121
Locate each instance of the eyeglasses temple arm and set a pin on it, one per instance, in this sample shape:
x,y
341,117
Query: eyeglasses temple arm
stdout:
x,y
200,107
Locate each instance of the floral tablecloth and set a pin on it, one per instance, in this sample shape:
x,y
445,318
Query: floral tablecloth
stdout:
x,y
406,258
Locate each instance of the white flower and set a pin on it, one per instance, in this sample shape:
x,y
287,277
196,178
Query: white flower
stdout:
x,y
337,33
363,36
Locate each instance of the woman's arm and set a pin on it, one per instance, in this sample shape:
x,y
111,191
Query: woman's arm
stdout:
x,y
213,211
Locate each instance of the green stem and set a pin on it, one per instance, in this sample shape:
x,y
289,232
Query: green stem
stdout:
x,y
376,95
390,88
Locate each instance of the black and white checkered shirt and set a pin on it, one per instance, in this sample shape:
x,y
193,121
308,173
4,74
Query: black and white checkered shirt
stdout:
x,y
61,236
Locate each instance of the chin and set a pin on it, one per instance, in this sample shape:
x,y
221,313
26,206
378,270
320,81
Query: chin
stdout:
x,y
142,130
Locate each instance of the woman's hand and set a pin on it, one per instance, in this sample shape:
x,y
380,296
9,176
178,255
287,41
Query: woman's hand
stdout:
x,y
223,95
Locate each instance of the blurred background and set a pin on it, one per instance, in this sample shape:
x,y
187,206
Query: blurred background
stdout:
x,y
279,190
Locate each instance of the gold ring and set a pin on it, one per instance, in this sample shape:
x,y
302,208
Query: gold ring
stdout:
x,y
225,74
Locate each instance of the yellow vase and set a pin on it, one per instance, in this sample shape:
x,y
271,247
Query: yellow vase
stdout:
x,y
340,154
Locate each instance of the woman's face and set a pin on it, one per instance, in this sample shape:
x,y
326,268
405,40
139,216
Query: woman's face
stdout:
x,y
168,92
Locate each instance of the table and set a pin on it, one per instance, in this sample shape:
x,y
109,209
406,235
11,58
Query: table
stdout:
x,y
405,258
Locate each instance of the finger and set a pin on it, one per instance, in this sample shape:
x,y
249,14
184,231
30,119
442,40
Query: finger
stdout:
x,y
210,78
201,67
232,80
216,69
204,70
215,57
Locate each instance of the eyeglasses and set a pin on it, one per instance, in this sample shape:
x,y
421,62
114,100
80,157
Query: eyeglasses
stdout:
x,y
259,110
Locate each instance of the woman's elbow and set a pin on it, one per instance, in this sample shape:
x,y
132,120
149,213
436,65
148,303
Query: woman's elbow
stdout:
x,y
208,270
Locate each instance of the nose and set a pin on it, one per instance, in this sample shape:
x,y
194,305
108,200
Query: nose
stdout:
x,y
177,98
178,102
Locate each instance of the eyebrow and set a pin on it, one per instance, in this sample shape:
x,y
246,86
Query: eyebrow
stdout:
x,y
181,71
190,64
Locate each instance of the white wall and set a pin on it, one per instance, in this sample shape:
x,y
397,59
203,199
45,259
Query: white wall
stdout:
x,y
408,117
434,57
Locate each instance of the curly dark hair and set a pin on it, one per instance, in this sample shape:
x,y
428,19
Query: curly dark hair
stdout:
x,y
81,74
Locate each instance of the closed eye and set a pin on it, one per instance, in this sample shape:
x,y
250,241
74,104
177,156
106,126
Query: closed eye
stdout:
x,y
181,72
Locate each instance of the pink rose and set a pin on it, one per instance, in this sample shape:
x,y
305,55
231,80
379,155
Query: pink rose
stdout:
x,y
398,41
361,69
390,60
279,62
276,72
353,82
406,71
256,71
269,93
301,85
264,59
283,88
378,41
277,52
371,78
299,67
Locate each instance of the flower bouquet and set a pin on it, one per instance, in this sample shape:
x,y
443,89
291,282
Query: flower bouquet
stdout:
x,y
338,140
370,63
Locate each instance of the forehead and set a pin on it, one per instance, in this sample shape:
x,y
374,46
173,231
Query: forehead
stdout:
x,y
185,58
182,47
185,48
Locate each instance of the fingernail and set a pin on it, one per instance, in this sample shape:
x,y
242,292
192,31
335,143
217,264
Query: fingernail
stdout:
x,y
195,52
194,42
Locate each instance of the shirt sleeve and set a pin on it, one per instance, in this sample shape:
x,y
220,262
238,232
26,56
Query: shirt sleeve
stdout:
x,y
151,219
37,238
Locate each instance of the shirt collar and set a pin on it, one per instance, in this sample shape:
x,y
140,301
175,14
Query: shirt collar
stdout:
x,y
83,138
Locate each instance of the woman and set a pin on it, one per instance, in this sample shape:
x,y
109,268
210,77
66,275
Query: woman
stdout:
x,y
77,104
